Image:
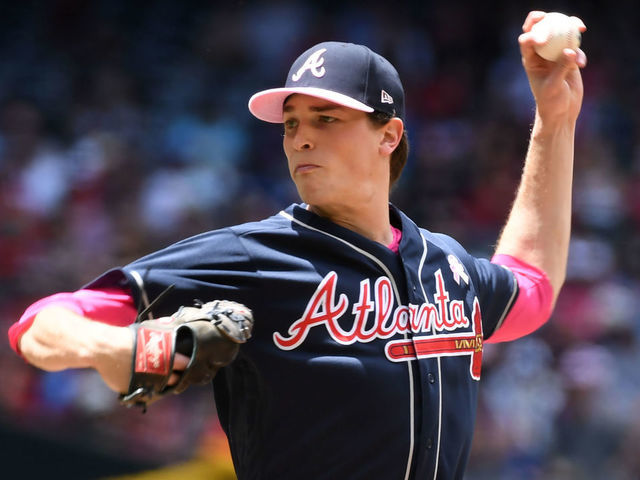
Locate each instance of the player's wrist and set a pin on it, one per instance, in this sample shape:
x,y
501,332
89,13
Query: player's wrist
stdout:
x,y
111,355
553,124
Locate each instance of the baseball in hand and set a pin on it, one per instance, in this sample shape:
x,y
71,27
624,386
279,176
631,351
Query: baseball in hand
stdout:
x,y
560,32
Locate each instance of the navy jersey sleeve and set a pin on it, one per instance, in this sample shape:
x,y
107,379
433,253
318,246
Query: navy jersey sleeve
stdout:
x,y
497,292
496,286
209,266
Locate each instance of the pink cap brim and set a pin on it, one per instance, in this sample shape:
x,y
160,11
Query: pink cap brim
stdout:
x,y
267,105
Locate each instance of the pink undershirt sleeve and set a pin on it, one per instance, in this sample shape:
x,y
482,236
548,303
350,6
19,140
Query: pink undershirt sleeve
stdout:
x,y
113,306
533,305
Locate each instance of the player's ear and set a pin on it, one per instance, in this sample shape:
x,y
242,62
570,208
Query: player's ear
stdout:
x,y
391,136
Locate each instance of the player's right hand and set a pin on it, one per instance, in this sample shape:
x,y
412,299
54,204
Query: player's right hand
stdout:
x,y
556,86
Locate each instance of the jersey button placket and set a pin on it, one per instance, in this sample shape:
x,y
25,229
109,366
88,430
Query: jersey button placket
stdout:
x,y
431,378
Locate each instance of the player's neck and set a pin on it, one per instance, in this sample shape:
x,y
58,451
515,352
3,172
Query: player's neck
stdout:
x,y
371,221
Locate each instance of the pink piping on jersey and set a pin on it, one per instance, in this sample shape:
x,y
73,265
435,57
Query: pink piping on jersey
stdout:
x,y
111,305
533,305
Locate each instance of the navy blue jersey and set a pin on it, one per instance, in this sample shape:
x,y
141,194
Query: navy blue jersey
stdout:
x,y
363,363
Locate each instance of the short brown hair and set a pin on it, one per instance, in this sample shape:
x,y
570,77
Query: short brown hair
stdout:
x,y
400,154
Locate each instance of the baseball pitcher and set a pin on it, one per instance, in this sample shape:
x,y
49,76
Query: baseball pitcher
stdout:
x,y
342,339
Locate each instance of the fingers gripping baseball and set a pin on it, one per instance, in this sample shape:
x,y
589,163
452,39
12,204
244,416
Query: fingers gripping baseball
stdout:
x,y
552,59
195,340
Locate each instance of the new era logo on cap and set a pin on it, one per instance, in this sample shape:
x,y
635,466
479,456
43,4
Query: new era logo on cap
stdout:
x,y
344,73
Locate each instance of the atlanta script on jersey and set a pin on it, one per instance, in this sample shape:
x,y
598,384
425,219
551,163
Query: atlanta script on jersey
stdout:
x,y
363,363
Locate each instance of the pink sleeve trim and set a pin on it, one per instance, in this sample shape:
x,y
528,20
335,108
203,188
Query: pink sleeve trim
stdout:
x,y
113,306
532,307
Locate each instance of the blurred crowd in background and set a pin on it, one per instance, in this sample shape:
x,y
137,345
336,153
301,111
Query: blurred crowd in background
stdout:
x,y
124,128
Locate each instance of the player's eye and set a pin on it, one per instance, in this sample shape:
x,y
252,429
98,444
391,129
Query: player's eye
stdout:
x,y
290,124
327,119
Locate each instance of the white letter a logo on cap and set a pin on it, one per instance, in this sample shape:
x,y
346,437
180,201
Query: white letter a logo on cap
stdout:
x,y
313,64
385,97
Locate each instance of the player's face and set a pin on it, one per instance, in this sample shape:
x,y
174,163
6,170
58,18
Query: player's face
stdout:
x,y
334,154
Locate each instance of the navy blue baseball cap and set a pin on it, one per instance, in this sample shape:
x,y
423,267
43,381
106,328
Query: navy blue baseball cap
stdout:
x,y
343,73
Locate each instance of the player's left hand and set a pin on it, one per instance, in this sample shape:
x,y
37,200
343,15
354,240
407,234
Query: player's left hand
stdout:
x,y
189,347
180,363
556,86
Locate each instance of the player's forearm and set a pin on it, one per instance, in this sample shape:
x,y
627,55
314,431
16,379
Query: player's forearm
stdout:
x,y
539,224
61,339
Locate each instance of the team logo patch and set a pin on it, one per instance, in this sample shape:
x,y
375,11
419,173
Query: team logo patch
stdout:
x,y
458,270
312,64
376,316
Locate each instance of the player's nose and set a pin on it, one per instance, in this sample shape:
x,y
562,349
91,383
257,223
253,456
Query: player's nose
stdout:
x,y
302,139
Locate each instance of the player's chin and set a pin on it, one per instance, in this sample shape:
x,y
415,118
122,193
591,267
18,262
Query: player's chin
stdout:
x,y
306,197
312,194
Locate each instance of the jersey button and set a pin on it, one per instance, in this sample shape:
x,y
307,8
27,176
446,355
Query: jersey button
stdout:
x,y
431,378
429,443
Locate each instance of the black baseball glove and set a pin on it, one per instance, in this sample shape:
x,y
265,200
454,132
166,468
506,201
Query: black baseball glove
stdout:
x,y
209,334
